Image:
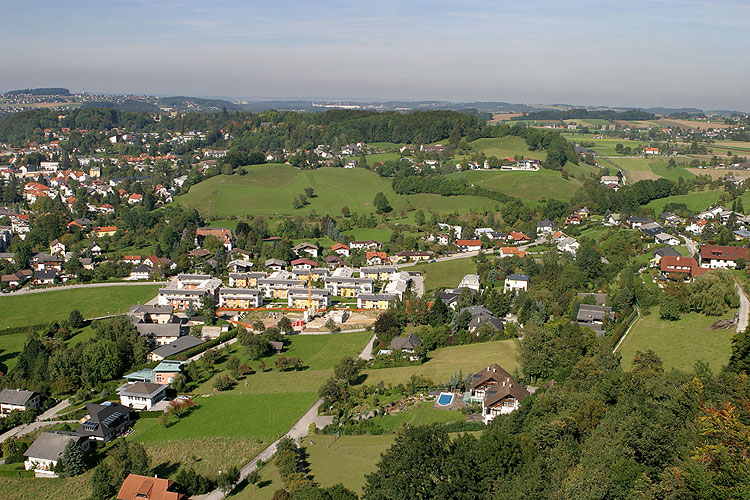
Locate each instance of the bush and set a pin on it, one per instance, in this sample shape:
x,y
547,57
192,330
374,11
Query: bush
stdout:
x,y
223,382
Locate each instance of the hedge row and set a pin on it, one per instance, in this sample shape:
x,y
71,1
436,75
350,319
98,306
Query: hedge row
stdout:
x,y
205,346
17,473
22,329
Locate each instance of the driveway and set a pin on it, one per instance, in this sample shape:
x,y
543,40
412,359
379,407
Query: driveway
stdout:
x,y
41,420
744,309
691,245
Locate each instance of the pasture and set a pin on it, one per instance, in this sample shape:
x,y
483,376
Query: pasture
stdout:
x,y
681,343
270,189
511,146
696,201
528,186
444,274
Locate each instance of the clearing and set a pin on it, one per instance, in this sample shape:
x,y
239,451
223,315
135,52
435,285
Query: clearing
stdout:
x,y
444,274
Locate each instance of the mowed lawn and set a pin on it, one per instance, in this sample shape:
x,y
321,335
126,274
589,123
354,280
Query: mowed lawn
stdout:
x,y
681,343
10,348
271,188
55,305
528,186
696,201
444,274
444,362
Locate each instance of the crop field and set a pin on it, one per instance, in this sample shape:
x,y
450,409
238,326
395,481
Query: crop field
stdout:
x,y
447,360
271,188
55,305
528,186
681,343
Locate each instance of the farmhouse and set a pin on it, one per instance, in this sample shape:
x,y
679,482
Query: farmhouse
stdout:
x,y
18,399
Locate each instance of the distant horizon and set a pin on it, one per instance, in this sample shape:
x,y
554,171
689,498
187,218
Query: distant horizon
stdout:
x,y
657,53
365,100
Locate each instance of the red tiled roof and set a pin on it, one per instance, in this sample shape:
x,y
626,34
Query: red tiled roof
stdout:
x,y
723,252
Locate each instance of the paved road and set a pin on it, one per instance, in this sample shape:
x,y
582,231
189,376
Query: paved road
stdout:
x,y
215,348
691,245
22,430
41,421
24,291
744,309
298,431
418,285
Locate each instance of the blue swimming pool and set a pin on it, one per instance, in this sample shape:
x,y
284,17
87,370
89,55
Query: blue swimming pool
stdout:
x,y
445,399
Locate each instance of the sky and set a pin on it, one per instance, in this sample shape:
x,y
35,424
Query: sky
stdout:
x,y
672,53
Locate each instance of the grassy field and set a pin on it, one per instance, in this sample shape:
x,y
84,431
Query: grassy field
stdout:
x,y
54,305
528,186
444,362
681,343
695,201
10,347
76,488
270,189
502,147
424,414
378,234
445,274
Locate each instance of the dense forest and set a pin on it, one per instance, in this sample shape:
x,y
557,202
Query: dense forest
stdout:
x,y
580,113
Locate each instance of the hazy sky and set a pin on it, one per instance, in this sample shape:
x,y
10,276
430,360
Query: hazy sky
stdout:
x,y
629,52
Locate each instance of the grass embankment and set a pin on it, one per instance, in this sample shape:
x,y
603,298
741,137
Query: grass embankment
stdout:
x,y
681,343
695,201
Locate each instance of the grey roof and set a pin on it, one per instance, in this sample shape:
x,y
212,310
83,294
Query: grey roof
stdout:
x,y
410,342
518,277
161,329
666,251
599,298
182,344
481,319
50,445
150,309
103,419
239,291
141,389
588,313
47,274
376,296
19,397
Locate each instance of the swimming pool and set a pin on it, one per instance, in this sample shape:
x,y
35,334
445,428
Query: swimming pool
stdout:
x,y
445,399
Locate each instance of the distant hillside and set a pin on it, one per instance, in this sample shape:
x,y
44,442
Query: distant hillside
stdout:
x,y
129,105
199,104
40,91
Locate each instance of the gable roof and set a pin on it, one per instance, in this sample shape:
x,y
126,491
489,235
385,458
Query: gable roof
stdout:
x,y
180,345
50,445
723,252
137,487
500,391
410,342
493,372
18,397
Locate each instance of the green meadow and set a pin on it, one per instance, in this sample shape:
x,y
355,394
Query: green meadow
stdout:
x,y
528,186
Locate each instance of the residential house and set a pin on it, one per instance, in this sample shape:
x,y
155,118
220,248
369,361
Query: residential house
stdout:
x,y
17,278
137,487
47,450
141,395
594,316
398,284
304,273
408,344
304,264
159,334
224,235
516,282
468,245
411,256
568,244
43,261
666,239
661,253
275,264
511,251
46,277
57,247
308,298
148,313
163,373
245,280
544,227
470,281
497,390
103,231
104,422
18,399
637,222
697,226
612,219
375,258
182,344
135,198
679,267
715,256
439,238
141,272
364,245
334,261
306,248
240,266
240,298
378,273
348,287
341,249
480,316
278,288
380,301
